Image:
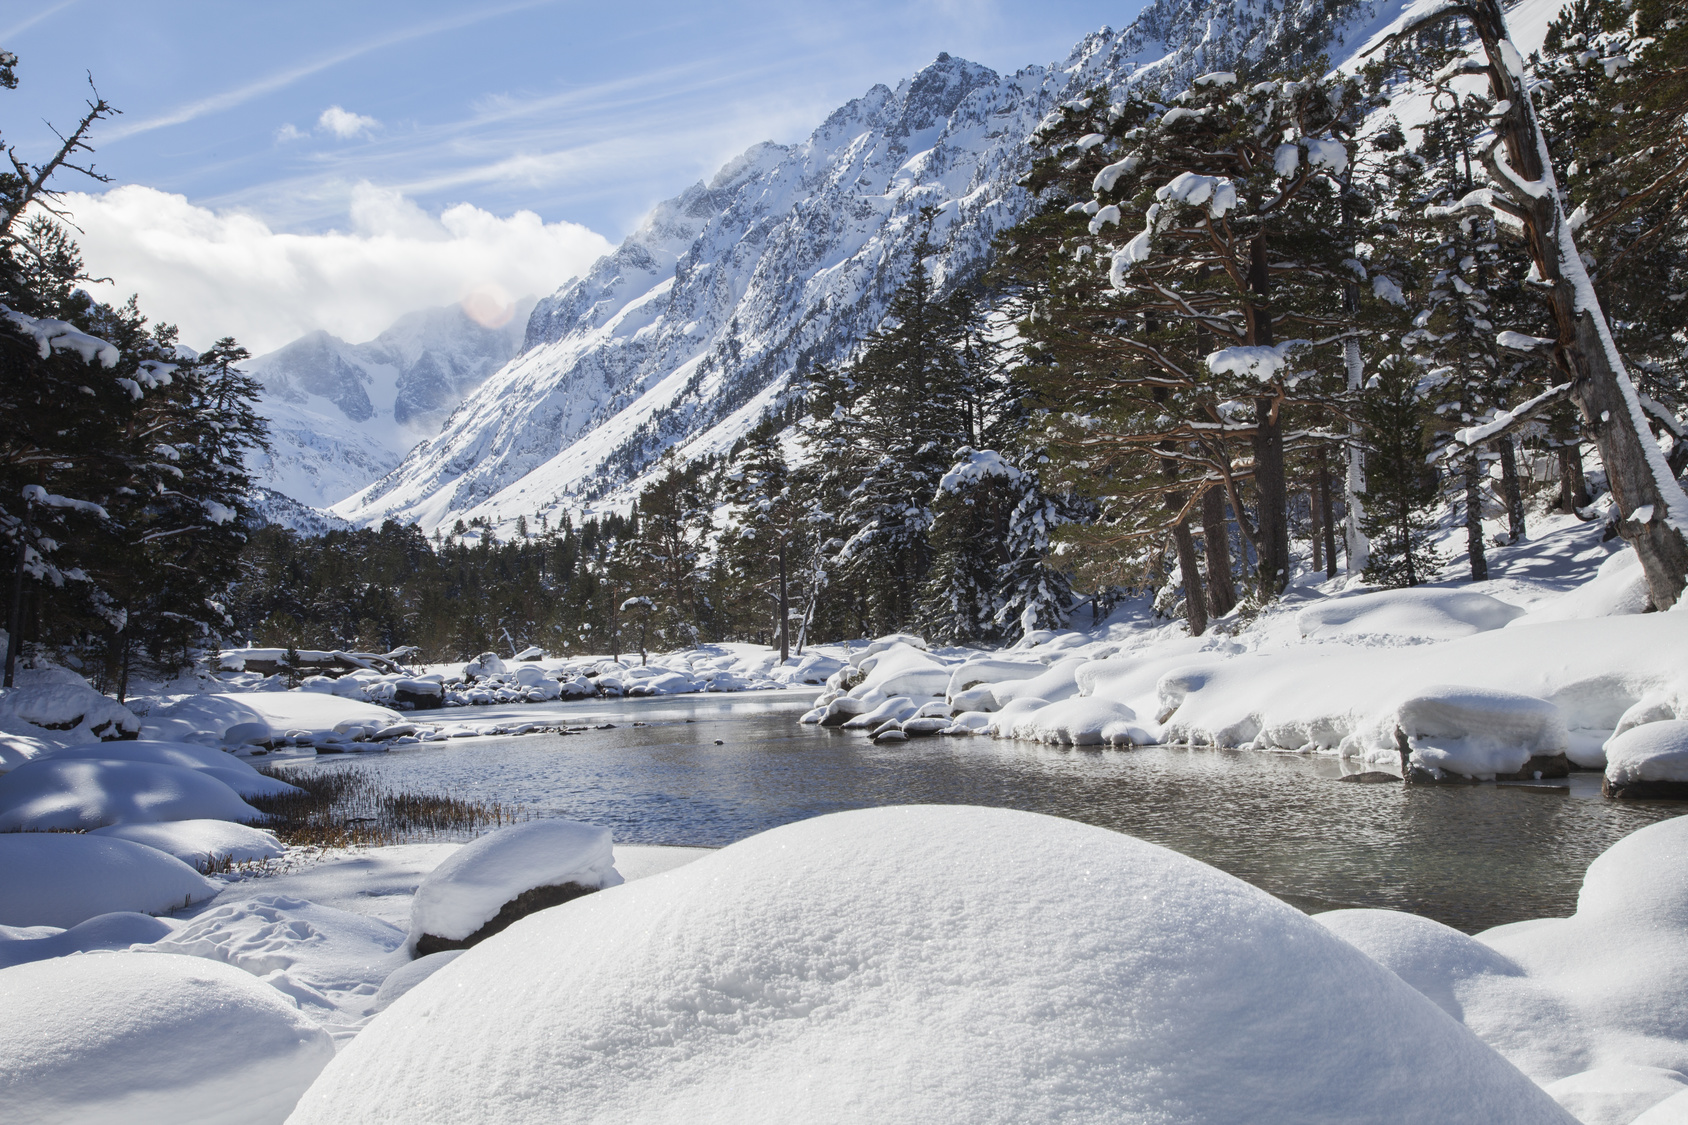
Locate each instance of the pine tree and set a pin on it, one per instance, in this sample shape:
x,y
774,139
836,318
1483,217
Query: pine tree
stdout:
x,y
1401,488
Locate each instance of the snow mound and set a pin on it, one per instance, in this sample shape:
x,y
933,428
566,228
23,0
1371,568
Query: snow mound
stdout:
x,y
225,767
917,964
1614,1095
410,974
74,712
140,1040
1421,951
1418,614
50,793
311,711
20,742
61,879
117,930
1478,733
197,842
1650,752
1672,1111
465,892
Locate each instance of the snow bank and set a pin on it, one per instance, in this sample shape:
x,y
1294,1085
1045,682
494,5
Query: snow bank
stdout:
x,y
117,930
281,711
1416,614
54,793
200,842
1650,752
61,879
132,1039
1080,722
466,891
71,710
921,964
226,768
1326,697
1477,733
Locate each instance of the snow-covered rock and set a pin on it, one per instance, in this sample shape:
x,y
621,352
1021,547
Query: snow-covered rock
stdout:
x,y
68,711
199,843
1651,756
918,964
54,793
135,1039
313,712
1477,732
61,879
472,887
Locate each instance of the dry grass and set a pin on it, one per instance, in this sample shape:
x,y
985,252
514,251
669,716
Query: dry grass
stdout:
x,y
349,805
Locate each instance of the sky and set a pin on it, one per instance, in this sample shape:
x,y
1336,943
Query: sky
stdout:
x,y
279,168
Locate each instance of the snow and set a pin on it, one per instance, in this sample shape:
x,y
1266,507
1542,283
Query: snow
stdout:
x,y
1416,614
61,879
1672,1111
117,930
464,893
197,842
1253,361
1619,587
1478,733
145,1040
225,767
895,965
1650,752
412,973
50,334
1193,189
313,712
55,793
1614,1095
66,711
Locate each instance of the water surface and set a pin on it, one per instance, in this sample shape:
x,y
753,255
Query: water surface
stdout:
x,y
1471,856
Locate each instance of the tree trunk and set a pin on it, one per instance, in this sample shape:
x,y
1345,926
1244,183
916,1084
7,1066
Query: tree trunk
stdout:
x,y
1315,518
1652,510
1328,512
1573,488
1474,519
1272,519
1512,489
785,612
1216,544
1195,603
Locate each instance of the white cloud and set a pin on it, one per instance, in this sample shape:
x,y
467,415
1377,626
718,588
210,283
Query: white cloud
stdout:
x,y
345,124
288,132
228,274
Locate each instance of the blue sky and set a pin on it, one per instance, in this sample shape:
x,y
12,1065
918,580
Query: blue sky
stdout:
x,y
372,120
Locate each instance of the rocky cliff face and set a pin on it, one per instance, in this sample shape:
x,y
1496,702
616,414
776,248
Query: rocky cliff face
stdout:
x,y
710,312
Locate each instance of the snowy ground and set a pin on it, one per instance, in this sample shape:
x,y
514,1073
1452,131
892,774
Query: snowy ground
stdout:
x,y
877,964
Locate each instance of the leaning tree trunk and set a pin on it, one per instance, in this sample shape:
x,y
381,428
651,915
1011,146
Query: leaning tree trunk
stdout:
x,y
1652,510
1189,569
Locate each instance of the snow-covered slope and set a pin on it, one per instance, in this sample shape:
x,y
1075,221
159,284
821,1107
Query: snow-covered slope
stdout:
x,y
706,315
343,414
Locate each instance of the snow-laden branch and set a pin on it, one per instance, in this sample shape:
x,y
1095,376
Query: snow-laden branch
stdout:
x,y
49,334
35,494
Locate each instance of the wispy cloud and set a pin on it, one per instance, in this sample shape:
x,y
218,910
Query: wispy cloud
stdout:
x,y
11,33
228,99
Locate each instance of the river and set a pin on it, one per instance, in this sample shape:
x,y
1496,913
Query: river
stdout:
x,y
1472,856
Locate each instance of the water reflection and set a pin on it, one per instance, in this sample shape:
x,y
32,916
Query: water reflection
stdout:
x,y
1472,856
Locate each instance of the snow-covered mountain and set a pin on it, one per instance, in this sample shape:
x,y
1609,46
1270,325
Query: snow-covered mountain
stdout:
x,y
341,415
706,314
